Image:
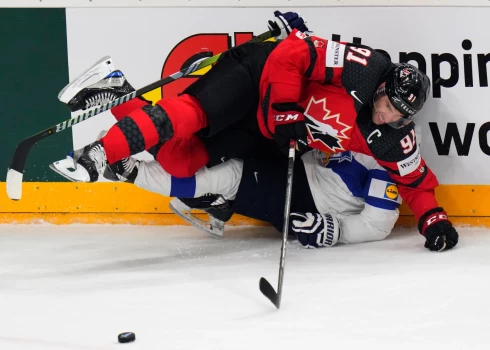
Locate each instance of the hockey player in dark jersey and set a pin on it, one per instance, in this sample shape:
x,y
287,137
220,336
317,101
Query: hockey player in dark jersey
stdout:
x,y
326,95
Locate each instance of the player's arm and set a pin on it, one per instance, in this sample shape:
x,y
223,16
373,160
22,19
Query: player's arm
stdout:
x,y
373,223
286,22
416,183
377,219
296,59
314,230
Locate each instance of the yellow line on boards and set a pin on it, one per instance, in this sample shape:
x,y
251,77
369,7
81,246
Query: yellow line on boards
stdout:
x,y
64,202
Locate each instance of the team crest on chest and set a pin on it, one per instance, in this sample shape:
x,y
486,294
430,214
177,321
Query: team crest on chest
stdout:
x,y
325,130
326,158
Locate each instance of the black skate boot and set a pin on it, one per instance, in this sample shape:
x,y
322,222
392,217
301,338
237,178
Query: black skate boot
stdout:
x,y
213,204
219,211
98,85
124,170
83,165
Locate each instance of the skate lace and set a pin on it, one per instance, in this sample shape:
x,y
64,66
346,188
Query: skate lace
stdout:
x,y
128,164
97,154
219,201
100,99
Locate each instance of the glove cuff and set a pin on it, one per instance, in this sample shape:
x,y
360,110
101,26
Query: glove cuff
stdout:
x,y
332,230
431,217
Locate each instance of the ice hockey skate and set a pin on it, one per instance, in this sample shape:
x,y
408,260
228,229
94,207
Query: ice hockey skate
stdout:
x,y
83,165
98,85
217,208
124,170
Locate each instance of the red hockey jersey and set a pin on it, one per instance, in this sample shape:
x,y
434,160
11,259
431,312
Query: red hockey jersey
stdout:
x,y
334,82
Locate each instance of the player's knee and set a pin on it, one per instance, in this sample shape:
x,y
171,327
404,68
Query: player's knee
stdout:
x,y
379,235
122,110
182,157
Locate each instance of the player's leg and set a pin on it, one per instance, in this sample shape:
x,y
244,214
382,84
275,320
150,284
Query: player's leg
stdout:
x,y
262,190
262,195
100,84
231,95
237,142
226,95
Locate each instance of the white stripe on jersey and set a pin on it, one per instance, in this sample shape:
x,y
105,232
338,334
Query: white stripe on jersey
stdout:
x,y
335,54
379,188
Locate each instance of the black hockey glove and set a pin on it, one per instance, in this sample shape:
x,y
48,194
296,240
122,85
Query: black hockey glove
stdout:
x,y
289,122
314,230
438,231
286,22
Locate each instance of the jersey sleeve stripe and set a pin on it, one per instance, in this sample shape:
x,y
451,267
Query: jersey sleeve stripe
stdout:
x,y
328,75
417,182
313,57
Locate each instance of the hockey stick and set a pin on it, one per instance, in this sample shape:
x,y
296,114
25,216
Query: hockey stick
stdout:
x,y
16,170
265,287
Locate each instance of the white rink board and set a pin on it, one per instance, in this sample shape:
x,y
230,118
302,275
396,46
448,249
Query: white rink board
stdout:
x,y
237,3
140,39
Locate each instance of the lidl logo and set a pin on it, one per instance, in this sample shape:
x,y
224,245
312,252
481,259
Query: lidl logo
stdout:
x,y
391,192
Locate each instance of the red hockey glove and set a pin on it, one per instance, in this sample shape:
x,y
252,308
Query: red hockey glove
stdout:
x,y
438,231
289,122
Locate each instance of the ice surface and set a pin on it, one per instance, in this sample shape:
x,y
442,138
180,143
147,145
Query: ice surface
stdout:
x,y
78,287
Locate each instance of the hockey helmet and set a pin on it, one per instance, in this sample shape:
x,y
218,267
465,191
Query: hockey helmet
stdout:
x,y
407,88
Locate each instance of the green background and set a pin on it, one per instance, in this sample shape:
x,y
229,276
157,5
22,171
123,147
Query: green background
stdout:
x,y
33,69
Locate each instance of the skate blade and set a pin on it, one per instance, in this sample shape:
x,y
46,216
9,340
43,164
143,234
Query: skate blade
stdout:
x,y
66,168
214,227
99,70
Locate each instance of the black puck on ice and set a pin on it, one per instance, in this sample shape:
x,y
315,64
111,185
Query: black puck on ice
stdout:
x,y
126,337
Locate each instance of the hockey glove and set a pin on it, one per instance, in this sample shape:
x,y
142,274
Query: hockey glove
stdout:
x,y
289,122
286,22
438,231
314,230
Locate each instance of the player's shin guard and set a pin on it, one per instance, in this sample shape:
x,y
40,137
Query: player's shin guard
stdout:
x,y
144,128
137,132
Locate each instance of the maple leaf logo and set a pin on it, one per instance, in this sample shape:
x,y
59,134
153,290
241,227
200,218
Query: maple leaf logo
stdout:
x,y
325,130
319,44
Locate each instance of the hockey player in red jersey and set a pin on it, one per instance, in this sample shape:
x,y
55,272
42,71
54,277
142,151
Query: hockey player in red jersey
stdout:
x,y
324,94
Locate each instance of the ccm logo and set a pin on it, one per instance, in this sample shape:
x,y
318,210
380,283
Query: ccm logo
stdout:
x,y
436,217
285,117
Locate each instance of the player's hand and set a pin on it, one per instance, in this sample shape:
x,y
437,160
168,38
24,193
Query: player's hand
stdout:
x,y
438,231
286,22
314,230
289,124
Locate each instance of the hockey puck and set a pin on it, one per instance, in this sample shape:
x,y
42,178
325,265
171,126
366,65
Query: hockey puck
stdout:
x,y
126,337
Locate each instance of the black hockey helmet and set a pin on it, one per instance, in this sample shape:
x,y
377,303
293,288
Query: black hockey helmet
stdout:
x,y
407,88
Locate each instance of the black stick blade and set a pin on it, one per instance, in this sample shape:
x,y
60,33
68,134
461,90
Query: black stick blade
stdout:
x,y
268,291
